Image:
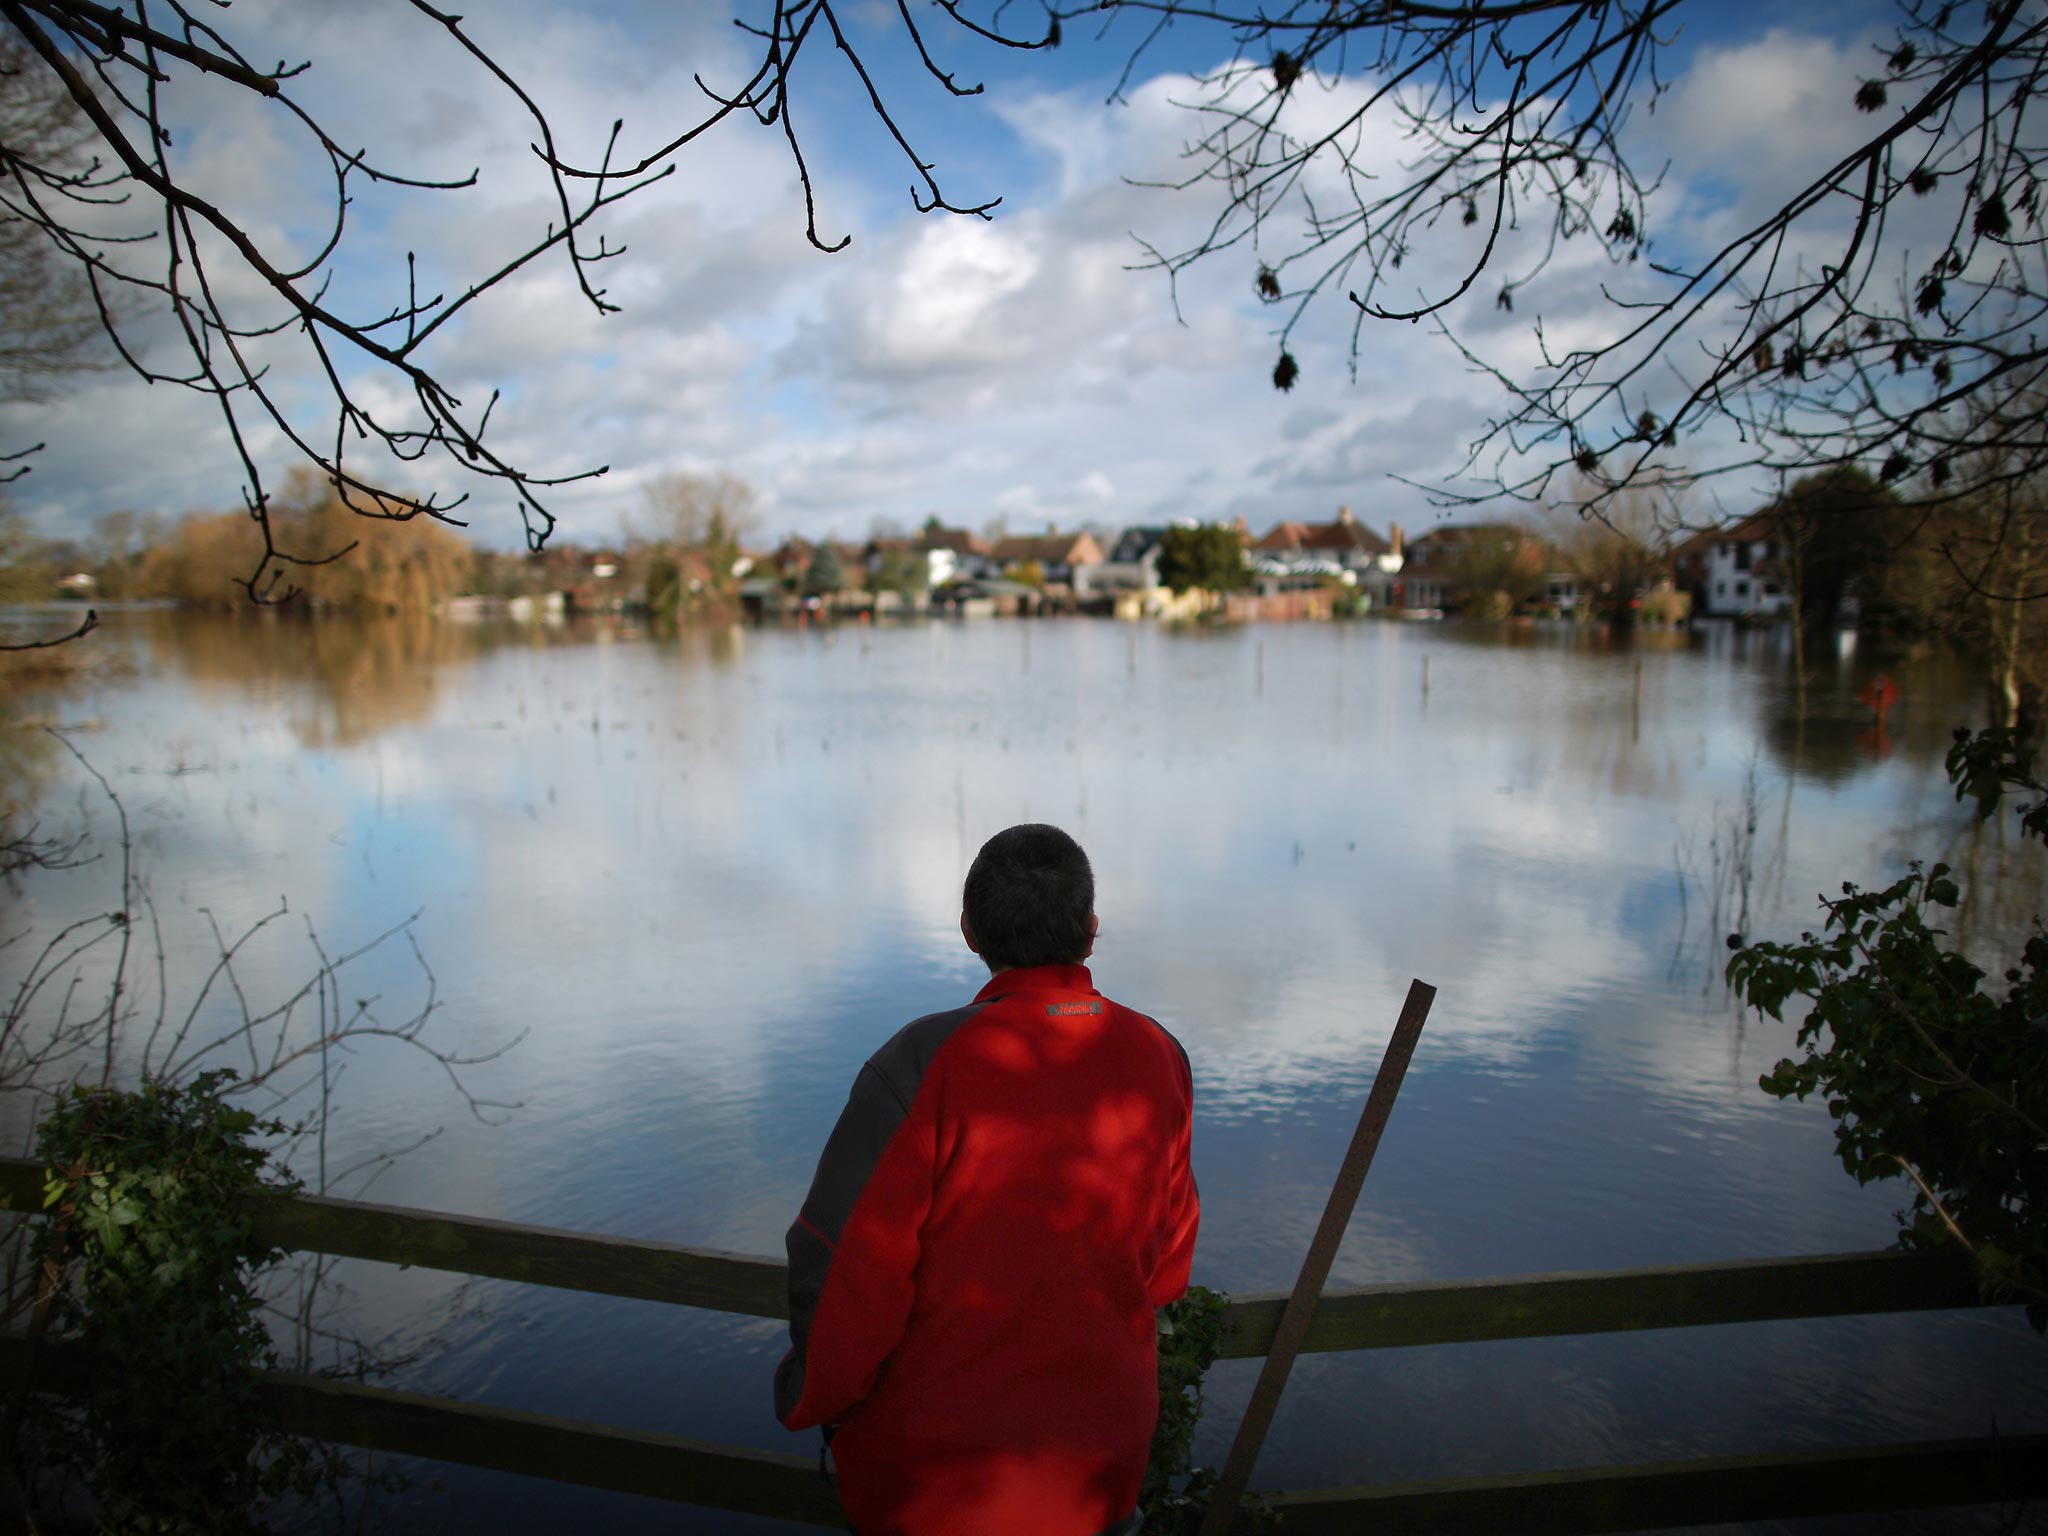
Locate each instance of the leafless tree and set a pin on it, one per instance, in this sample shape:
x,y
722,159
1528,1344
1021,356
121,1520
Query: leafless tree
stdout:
x,y
48,321
1853,322
1974,570
1619,554
118,215
89,1002
696,511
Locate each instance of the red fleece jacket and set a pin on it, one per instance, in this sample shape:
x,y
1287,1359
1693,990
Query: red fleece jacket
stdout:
x,y
1003,1204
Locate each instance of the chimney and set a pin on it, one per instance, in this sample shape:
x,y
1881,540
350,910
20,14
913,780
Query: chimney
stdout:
x,y
1394,536
1344,516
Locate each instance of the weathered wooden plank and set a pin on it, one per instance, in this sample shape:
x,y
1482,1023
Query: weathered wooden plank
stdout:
x,y
1611,1301
1707,1491
1358,1317
662,1466
502,1250
505,1250
1575,1502
564,1450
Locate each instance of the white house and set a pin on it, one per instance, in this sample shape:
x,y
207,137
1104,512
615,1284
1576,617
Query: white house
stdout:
x,y
1744,575
1132,566
953,554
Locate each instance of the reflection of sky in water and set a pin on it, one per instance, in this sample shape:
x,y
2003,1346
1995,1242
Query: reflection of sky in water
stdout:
x,y
708,874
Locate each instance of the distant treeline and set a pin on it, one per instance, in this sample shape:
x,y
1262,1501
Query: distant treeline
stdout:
x,y
1970,571
393,566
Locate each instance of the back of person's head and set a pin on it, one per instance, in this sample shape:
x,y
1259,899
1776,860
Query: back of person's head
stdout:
x,y
1030,899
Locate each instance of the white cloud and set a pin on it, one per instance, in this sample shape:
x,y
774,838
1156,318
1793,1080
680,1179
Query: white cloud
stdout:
x,y
1754,121
939,364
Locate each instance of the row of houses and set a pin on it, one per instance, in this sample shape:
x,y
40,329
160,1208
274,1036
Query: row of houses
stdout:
x,y
1292,556
1731,572
1383,572
1736,572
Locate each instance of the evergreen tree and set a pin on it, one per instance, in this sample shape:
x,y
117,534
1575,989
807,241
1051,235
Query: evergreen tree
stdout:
x,y
1209,558
826,574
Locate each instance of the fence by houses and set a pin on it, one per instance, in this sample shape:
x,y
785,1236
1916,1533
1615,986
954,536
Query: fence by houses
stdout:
x,y
1609,1498
1250,607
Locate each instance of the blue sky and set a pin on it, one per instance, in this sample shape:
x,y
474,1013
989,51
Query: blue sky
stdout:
x,y
1012,368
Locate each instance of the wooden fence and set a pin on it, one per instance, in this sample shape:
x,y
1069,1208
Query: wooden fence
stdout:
x,y
1612,1498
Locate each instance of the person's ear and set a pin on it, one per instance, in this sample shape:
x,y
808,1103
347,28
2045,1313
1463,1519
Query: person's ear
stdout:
x,y
1093,925
967,933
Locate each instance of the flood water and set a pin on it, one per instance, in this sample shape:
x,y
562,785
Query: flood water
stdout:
x,y
699,877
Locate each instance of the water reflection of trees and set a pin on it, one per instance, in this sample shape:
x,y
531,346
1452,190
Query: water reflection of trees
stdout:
x,y
352,677
2002,877
344,679
1833,734
28,759
32,685
1595,736
1829,740
1560,635
27,752
1737,860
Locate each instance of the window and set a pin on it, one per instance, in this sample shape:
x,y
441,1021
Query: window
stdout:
x,y
1770,589
1720,589
1742,589
1742,557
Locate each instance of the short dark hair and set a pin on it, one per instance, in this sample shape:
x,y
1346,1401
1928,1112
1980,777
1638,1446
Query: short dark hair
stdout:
x,y
1028,898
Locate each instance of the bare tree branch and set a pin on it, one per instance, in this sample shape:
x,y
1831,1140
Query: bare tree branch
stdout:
x,y
86,626
119,72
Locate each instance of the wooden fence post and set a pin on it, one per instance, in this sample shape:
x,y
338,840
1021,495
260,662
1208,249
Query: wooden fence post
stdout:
x,y
1315,1268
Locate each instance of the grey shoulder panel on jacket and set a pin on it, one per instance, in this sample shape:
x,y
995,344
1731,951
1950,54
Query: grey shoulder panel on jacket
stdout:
x,y
905,1056
1173,1040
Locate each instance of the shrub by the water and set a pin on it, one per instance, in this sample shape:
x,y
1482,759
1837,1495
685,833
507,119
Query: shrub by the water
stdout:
x,y
1932,1076
144,1205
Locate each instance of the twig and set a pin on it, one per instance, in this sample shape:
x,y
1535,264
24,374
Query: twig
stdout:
x,y
91,623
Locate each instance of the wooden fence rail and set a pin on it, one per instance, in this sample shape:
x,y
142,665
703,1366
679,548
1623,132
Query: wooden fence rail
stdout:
x,y
1361,1317
1708,1490
780,1486
1350,1317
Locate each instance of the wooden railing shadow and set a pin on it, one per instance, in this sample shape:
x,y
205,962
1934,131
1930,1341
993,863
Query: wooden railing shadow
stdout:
x,y
1645,1496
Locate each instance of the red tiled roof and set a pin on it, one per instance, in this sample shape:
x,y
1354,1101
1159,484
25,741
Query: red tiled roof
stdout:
x,y
1756,526
1284,536
1450,535
1343,534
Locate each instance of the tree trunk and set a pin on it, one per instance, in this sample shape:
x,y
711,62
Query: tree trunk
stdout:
x,y
1798,575
2007,621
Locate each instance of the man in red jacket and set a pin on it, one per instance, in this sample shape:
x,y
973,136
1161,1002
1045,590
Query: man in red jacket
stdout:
x,y
1003,1204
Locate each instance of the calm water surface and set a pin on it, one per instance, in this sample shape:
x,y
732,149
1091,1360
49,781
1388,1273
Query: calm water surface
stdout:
x,y
704,875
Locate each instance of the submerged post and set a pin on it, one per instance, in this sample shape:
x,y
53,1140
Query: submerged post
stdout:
x,y
1315,1268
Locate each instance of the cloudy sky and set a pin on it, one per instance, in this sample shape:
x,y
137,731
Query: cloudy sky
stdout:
x,y
1015,367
